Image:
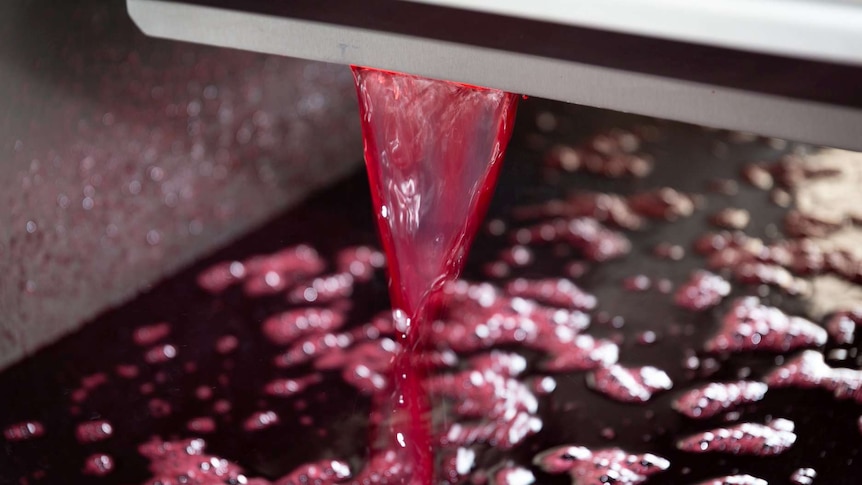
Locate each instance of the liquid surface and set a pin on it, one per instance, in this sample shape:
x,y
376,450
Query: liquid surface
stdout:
x,y
295,401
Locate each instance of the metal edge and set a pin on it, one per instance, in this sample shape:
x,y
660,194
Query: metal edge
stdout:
x,y
805,121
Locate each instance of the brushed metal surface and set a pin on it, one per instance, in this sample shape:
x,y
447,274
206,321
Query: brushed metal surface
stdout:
x,y
123,158
810,29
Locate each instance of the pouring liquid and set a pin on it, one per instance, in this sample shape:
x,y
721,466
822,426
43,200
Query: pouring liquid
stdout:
x,y
433,150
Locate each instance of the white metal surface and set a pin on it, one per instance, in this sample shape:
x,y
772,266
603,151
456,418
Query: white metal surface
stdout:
x,y
573,82
811,29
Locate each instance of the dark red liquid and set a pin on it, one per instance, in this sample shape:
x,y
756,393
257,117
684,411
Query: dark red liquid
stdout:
x,y
433,150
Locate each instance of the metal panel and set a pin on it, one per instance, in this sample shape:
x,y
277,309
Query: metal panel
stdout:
x,y
802,120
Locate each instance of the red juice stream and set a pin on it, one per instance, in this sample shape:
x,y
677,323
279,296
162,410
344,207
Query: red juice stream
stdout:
x,y
433,150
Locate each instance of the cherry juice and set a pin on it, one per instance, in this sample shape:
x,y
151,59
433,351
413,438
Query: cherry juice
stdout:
x,y
433,150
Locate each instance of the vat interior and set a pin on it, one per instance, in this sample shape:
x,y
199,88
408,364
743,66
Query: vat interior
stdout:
x,y
39,388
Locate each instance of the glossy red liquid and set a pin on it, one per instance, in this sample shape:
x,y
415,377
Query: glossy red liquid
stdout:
x,y
433,150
